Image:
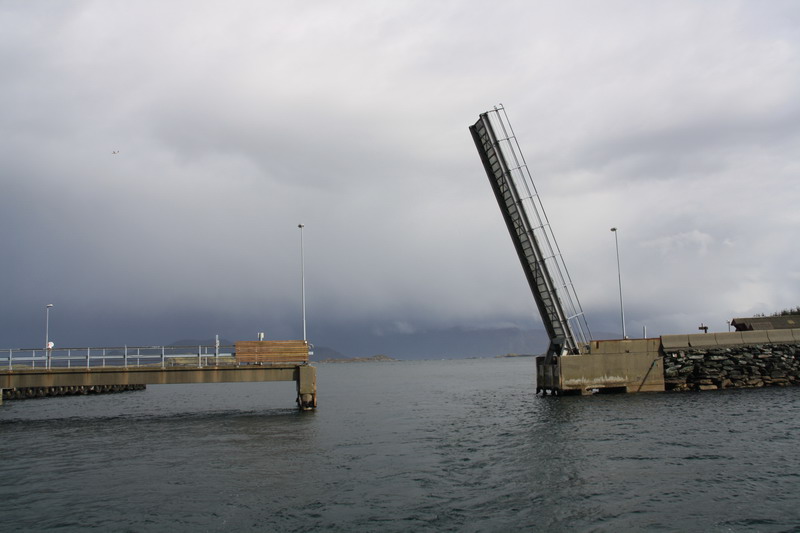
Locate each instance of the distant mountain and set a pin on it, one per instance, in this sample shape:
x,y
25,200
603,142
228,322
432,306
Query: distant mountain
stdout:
x,y
374,359
432,344
323,352
451,343
319,352
201,342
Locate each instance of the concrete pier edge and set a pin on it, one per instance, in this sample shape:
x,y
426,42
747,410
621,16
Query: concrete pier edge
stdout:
x,y
704,361
39,383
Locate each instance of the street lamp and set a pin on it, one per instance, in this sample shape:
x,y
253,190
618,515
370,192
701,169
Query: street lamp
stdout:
x,y
303,279
619,276
47,332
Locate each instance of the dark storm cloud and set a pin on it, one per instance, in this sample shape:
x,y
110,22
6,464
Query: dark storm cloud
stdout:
x,y
236,123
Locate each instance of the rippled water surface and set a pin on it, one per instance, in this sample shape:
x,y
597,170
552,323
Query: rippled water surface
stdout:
x,y
460,445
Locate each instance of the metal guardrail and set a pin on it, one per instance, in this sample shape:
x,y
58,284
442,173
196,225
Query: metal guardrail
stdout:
x,y
120,357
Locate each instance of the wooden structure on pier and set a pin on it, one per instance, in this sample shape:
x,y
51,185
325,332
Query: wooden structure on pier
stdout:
x,y
270,352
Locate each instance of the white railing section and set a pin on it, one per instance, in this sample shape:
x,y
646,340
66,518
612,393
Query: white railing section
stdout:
x,y
120,357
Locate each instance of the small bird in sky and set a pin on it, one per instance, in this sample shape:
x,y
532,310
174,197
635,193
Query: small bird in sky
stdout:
x,y
115,152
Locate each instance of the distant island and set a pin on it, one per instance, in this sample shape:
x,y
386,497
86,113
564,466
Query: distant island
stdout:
x,y
374,359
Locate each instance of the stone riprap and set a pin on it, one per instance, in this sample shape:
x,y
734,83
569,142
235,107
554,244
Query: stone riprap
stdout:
x,y
719,367
44,392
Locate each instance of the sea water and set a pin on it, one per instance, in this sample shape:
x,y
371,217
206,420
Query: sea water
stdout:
x,y
454,445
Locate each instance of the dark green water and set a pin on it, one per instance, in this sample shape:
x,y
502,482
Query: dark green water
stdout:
x,y
410,446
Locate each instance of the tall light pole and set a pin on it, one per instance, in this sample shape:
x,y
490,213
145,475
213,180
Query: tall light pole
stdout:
x,y
619,276
303,279
47,332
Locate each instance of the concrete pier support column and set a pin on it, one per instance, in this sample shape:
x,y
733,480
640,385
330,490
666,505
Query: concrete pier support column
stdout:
x,y
306,387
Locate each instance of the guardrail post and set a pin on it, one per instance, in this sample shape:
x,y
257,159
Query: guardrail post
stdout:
x,y
162,357
88,355
125,356
9,360
199,357
69,358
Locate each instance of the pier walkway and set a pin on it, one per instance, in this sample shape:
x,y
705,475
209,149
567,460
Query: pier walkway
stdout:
x,y
50,371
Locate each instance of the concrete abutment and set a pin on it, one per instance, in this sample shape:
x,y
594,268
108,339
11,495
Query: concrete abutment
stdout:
x,y
698,362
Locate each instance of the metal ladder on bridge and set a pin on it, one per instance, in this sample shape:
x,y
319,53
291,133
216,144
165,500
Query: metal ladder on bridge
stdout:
x,y
530,231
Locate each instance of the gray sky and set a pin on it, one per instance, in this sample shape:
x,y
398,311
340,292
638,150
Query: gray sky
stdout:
x,y
677,122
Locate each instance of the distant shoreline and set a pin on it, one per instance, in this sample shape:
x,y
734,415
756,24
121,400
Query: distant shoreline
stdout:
x,y
373,359
386,359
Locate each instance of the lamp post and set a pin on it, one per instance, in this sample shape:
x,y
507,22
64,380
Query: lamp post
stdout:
x,y
303,279
619,277
47,332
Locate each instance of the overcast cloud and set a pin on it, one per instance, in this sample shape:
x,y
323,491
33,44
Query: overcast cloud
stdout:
x,y
677,122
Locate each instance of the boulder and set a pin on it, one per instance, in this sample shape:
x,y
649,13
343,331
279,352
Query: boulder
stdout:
x,y
706,387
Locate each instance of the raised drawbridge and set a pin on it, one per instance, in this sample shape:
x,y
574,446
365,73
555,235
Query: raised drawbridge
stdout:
x,y
531,233
574,363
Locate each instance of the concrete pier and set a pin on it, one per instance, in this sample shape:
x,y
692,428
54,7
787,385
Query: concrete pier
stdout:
x,y
36,373
55,378
704,361
631,365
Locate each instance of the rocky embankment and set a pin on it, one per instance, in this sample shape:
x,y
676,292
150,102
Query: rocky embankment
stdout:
x,y
747,366
43,392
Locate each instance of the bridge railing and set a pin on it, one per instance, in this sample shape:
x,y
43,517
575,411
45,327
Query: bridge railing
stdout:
x,y
123,356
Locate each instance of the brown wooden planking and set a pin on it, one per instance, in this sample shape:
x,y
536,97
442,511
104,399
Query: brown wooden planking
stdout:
x,y
267,359
272,351
275,352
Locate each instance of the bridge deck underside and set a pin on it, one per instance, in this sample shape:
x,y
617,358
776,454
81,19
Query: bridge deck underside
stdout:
x,y
65,377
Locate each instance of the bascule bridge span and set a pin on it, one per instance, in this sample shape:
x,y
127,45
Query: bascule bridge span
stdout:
x,y
574,363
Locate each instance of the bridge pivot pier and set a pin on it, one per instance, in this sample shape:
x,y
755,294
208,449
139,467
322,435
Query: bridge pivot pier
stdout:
x,y
630,365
